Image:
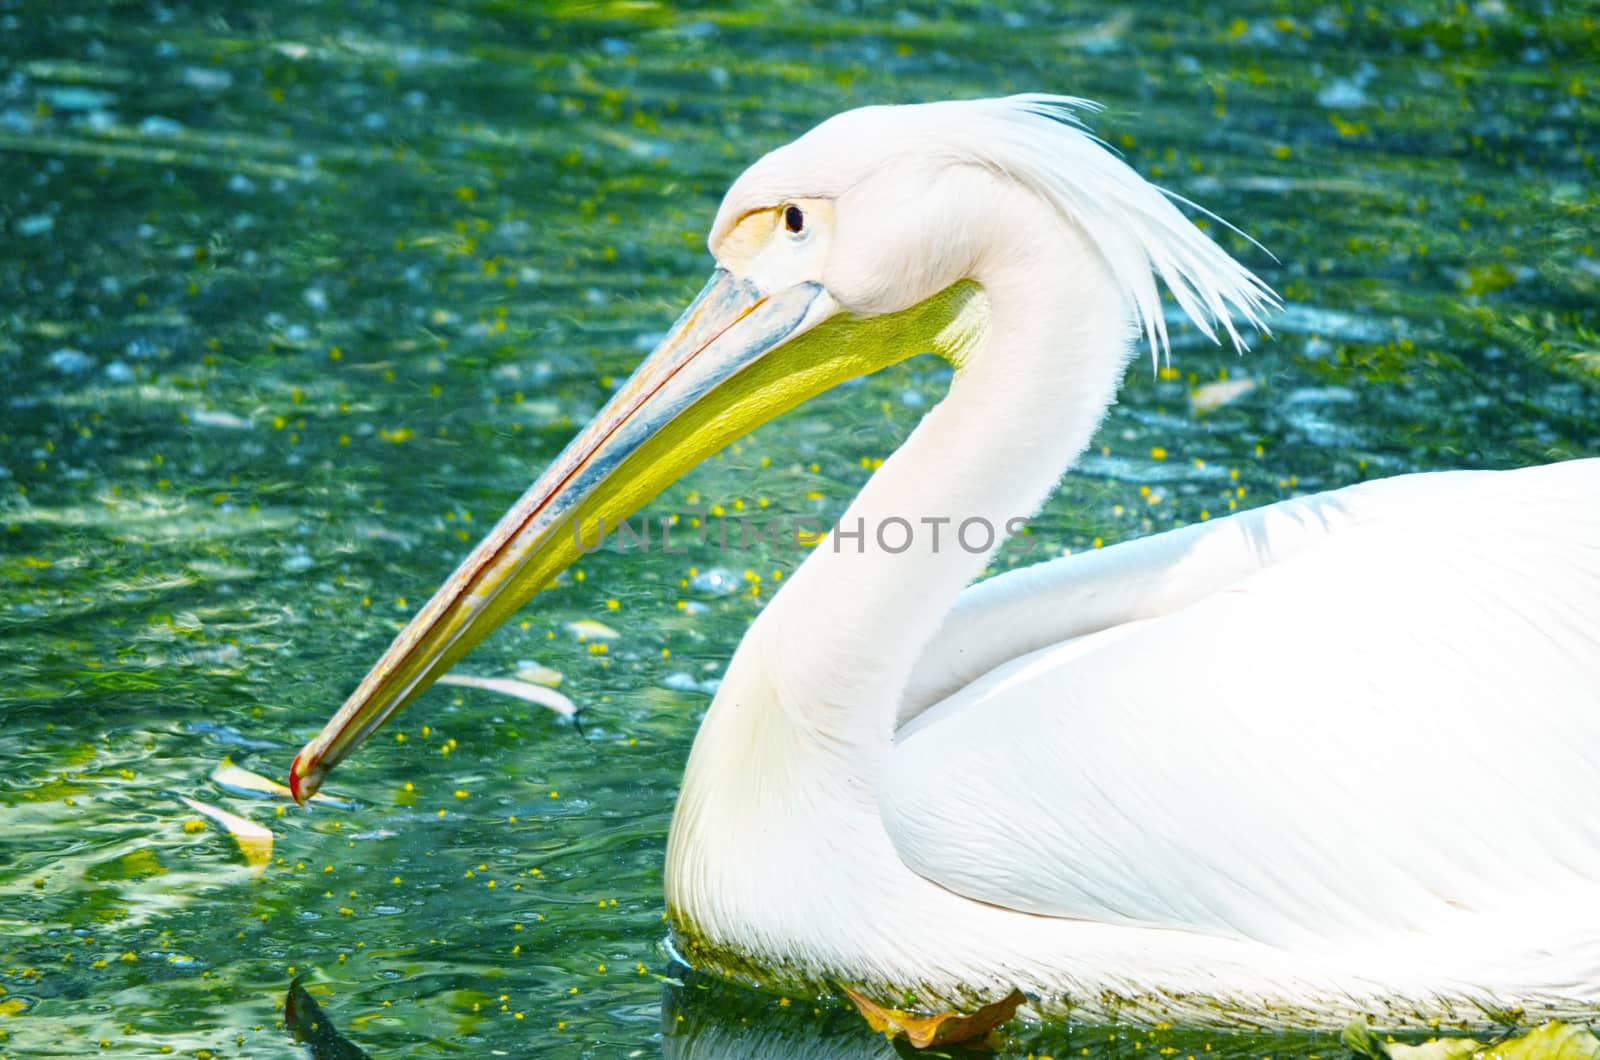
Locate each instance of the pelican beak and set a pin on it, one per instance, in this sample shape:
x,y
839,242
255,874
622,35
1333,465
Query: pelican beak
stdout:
x,y
736,358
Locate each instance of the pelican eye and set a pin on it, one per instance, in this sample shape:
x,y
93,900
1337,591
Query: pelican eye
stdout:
x,y
794,219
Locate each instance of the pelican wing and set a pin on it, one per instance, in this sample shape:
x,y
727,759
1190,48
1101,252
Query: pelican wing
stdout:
x,y
1046,604
1388,724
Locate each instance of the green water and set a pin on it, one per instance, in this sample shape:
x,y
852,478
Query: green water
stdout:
x,y
296,298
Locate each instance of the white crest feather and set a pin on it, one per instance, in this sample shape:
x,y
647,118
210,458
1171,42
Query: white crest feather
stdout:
x,y
1040,142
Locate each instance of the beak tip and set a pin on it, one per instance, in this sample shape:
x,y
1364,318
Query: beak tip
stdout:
x,y
303,784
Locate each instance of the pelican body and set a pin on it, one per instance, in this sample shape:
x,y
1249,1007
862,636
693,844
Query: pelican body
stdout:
x,y
1339,755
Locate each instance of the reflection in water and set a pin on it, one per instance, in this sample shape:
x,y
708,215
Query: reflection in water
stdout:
x,y
708,1019
309,1024
704,1018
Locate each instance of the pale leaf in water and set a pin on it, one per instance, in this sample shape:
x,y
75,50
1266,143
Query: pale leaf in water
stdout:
x,y
241,781
1209,397
506,686
539,674
588,629
1551,1041
255,842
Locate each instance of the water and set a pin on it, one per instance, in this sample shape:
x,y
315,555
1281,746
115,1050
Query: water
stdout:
x,y
295,299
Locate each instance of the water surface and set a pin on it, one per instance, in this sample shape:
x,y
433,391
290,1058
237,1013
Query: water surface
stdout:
x,y
295,299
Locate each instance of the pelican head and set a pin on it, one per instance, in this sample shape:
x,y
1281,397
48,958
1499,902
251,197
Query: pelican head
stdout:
x,y
868,240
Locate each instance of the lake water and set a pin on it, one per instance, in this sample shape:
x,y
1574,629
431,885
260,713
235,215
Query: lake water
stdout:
x,y
296,298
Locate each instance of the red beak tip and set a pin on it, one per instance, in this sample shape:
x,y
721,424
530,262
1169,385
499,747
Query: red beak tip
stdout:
x,y
294,781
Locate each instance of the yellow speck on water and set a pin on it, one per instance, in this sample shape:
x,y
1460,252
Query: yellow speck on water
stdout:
x,y
613,605
555,794
1158,453
194,824
601,969
462,793
1098,543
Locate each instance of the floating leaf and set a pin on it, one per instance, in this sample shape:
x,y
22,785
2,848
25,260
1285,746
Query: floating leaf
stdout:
x,y
307,1022
539,674
255,842
940,1028
1210,397
588,629
507,686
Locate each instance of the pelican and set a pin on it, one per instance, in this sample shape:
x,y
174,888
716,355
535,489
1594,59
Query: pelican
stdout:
x,y
1336,755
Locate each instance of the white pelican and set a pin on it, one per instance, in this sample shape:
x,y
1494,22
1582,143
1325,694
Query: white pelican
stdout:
x,y
1336,755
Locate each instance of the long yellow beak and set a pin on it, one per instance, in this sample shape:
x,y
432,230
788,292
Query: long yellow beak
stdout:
x,y
735,359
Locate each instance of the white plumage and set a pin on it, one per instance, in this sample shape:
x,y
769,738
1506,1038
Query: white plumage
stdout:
x,y
1337,752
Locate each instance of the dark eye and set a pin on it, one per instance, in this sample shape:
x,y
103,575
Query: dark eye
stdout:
x,y
793,219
